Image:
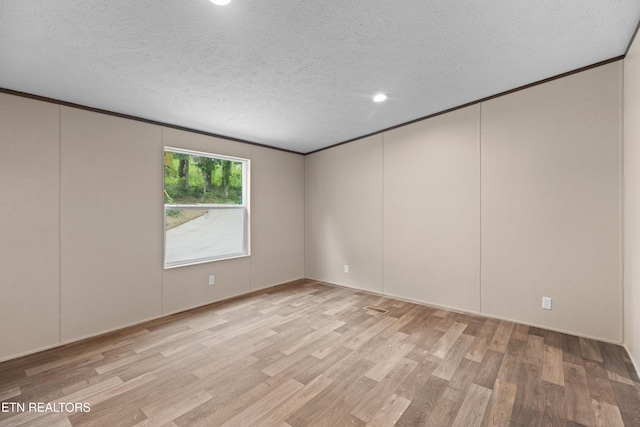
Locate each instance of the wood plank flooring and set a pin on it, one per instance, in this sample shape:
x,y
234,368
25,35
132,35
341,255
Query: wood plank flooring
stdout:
x,y
312,354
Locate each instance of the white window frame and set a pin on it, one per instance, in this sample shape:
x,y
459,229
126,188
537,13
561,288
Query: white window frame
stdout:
x,y
246,250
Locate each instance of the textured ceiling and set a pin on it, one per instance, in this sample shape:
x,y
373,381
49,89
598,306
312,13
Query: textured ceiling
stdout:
x,y
298,74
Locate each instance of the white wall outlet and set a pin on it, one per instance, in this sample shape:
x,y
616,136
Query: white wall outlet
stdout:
x,y
212,280
546,303
346,268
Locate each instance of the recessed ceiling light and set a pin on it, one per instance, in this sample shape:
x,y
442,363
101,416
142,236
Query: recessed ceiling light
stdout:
x,y
380,97
220,2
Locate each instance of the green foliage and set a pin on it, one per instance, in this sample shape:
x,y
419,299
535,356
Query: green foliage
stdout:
x,y
168,159
210,180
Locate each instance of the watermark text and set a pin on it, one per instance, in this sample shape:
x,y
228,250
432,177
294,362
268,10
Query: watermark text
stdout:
x,y
45,407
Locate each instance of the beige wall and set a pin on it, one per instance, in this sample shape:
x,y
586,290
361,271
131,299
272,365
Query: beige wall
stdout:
x,y
344,214
432,210
632,201
110,222
81,235
488,208
29,229
551,197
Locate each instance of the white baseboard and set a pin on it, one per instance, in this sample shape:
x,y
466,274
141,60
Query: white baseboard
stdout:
x,y
476,313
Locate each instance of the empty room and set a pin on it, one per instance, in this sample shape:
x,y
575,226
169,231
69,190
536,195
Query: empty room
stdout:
x,y
296,213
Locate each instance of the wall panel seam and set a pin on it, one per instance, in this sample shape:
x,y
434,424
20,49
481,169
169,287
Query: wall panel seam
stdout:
x,y
480,207
163,226
621,197
59,224
382,258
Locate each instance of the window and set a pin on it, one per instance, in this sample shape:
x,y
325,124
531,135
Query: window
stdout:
x,y
206,207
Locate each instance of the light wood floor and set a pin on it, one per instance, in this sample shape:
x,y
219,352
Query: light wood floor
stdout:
x,y
311,354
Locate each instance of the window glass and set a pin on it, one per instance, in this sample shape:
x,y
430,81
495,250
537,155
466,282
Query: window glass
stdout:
x,y
206,207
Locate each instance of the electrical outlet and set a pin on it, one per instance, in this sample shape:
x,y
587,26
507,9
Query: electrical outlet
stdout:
x,y
546,303
212,280
346,268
